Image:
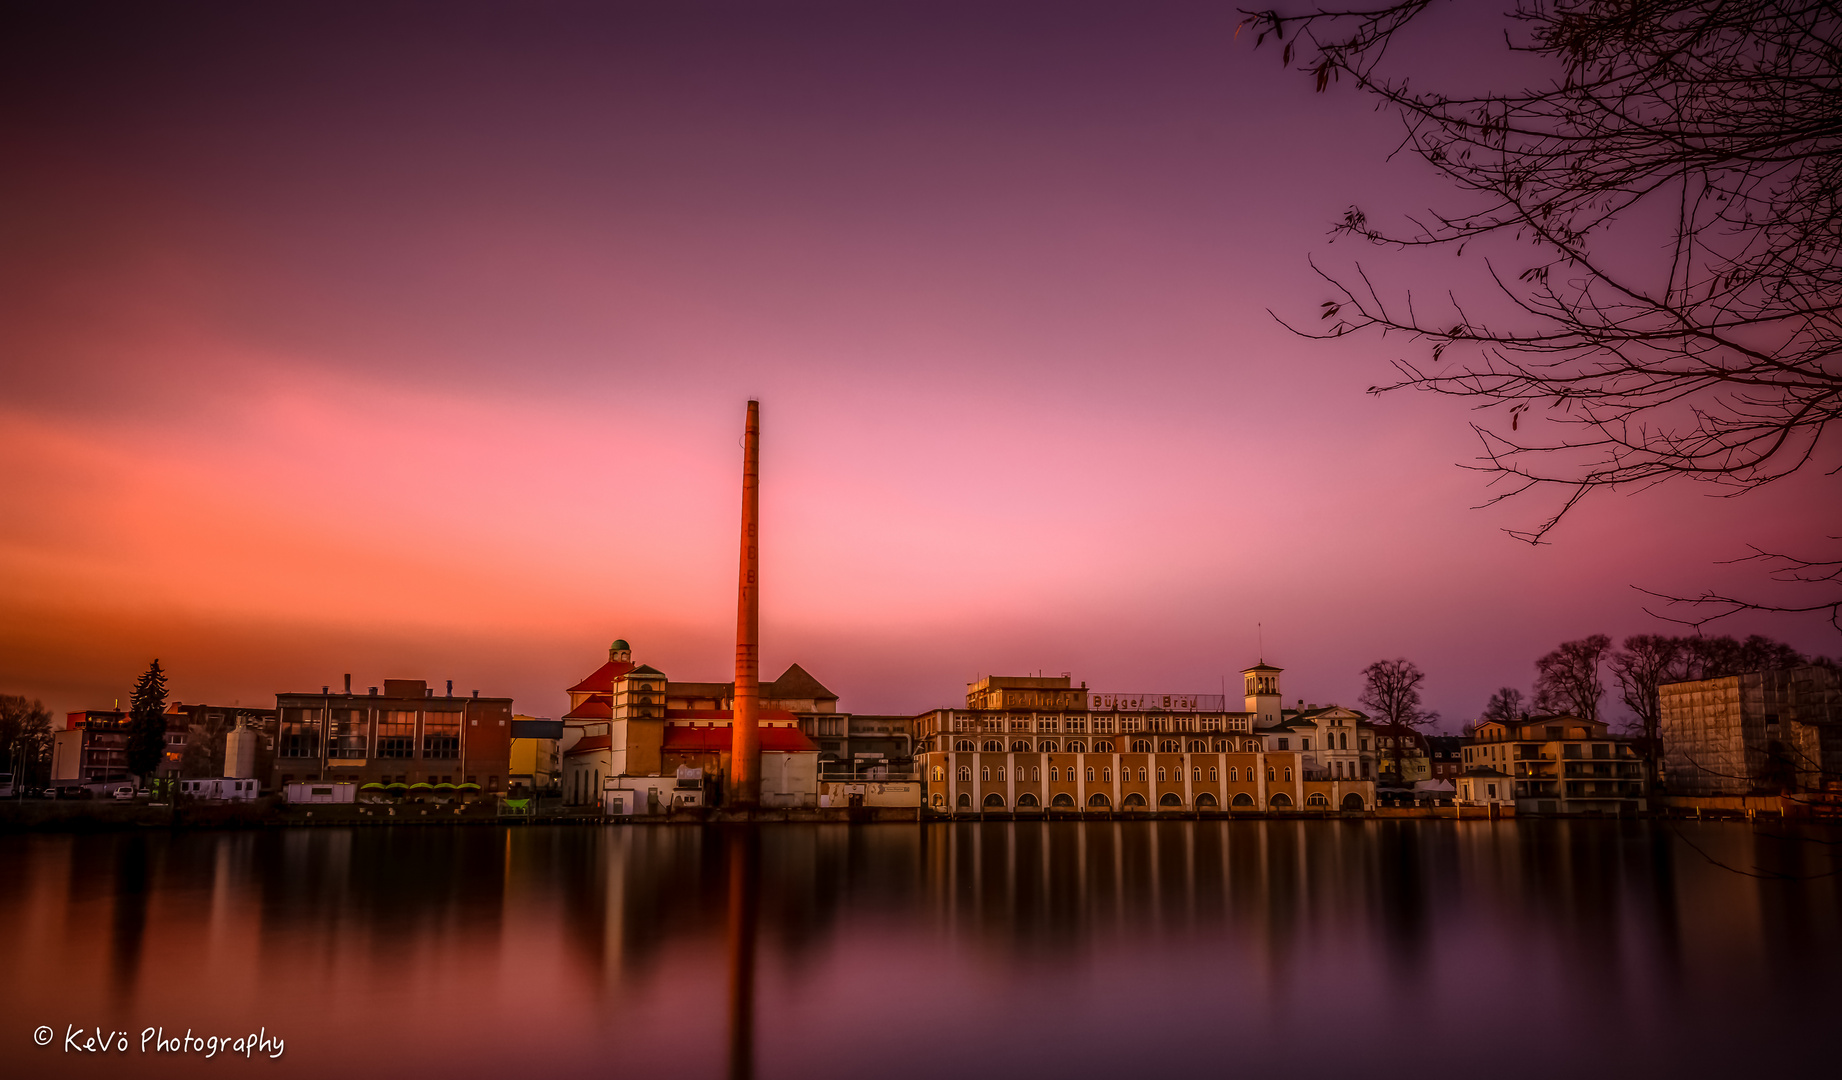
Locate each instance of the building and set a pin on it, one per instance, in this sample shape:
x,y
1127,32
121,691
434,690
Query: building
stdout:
x,y
629,720
857,745
1030,744
1445,756
1556,765
537,755
1484,786
405,734
196,737
1758,733
91,749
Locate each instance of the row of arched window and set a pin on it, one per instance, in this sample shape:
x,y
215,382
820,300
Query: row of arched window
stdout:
x,y
1106,774
1105,746
1101,801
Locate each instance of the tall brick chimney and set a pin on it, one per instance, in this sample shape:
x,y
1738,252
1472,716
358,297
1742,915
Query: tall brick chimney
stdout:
x,y
745,749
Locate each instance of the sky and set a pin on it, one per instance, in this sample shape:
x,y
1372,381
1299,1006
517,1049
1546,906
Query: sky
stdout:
x,y
415,341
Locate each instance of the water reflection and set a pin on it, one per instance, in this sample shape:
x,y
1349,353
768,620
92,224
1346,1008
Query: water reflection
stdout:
x,y
823,950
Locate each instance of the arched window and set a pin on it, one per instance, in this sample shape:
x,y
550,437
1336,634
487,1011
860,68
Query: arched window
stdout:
x,y
1035,773
965,801
1317,799
1343,742
1099,799
1212,776
1020,746
1241,798
1054,774
1141,746
994,800
965,774
1196,773
1269,774
1101,747
1352,802
1171,798
1027,799
1045,748
1133,801
1234,776
1221,747
939,774
1161,778
1063,799
1090,774
1169,746
1106,776
1078,747
963,746
939,799
1001,774
993,746
1280,798
1196,746
1142,778
985,773
1288,774
1204,799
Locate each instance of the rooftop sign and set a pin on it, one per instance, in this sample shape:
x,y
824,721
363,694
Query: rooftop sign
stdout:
x,y
1155,702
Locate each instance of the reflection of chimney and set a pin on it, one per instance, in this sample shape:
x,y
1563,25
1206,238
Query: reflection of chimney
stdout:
x,y
745,745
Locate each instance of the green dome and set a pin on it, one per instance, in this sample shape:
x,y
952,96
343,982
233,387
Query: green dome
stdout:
x,y
621,643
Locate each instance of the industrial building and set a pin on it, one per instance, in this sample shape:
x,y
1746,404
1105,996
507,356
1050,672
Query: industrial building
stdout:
x,y
1763,732
404,734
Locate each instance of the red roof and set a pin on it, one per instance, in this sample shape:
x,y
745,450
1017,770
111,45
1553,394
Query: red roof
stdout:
x,y
688,739
592,742
595,708
602,681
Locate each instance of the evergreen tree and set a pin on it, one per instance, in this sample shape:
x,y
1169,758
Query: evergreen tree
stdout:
x,y
147,723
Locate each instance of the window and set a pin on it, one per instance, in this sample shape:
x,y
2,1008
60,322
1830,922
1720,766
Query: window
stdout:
x,y
1000,774
1212,776
985,773
347,736
1343,741
1363,744
1169,746
396,735
441,734
1269,774
1142,778
1304,743
993,746
1090,774
1288,774
1101,747
1282,743
1161,777
1234,775
965,774
1020,746
1141,746
963,746
300,733
1035,773
939,774
1054,774
1196,773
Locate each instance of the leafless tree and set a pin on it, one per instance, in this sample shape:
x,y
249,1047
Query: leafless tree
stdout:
x,y
1707,131
1391,693
1506,704
1567,680
25,737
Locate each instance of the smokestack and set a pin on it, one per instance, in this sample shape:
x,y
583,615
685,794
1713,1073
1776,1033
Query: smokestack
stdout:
x,y
348,684
745,748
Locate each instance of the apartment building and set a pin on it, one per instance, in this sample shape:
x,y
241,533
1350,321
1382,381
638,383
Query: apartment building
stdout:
x,y
1554,765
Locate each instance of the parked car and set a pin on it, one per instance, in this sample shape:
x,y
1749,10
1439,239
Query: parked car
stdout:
x,y
124,792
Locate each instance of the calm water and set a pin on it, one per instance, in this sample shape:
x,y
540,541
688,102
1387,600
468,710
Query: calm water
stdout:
x,y
1297,949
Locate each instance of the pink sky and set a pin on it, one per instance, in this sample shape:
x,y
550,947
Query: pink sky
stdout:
x,y
418,346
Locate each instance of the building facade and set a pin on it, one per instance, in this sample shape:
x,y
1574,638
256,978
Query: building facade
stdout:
x,y
1035,744
92,748
1764,732
1556,765
629,720
404,734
